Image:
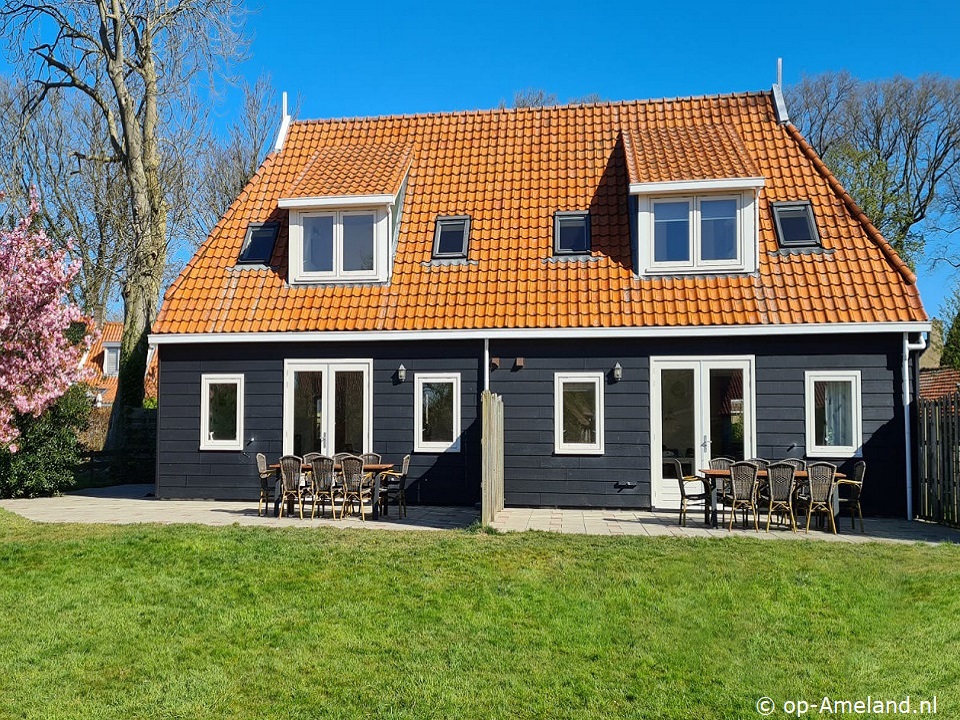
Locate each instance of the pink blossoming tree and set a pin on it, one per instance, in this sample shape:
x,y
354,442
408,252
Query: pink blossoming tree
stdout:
x,y
38,362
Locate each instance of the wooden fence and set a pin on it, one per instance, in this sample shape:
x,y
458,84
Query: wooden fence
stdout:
x,y
938,460
491,483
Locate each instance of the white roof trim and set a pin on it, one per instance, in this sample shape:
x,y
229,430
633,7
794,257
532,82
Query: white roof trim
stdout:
x,y
672,186
285,120
302,203
540,333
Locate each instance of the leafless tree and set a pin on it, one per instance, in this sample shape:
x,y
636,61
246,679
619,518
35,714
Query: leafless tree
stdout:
x,y
138,62
228,164
82,204
893,144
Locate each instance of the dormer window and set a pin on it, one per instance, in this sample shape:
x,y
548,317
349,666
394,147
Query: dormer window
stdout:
x,y
795,224
451,238
258,243
111,360
348,245
696,231
571,233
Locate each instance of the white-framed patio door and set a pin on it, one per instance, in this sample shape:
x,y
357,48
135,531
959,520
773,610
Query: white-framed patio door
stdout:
x,y
699,409
327,406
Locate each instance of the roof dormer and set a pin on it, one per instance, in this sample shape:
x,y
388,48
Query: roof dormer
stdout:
x,y
344,207
696,190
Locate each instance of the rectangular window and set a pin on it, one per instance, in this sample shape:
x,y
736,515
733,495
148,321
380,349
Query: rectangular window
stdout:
x,y
437,411
258,243
340,245
578,413
700,232
571,233
452,237
221,412
833,413
795,224
111,360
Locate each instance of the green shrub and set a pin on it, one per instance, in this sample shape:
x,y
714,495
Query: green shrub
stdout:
x,y
48,449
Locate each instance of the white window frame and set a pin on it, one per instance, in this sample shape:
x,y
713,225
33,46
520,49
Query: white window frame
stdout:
x,y
419,445
747,235
107,350
381,236
220,379
834,451
560,447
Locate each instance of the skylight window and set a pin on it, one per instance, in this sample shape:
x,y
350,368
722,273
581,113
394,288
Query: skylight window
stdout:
x,y
258,244
452,236
795,224
571,233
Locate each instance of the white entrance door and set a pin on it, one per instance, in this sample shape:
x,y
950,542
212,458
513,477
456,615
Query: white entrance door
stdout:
x,y
700,409
327,407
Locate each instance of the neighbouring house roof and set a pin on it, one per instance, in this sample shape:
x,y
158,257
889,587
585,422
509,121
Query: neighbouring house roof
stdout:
x,y
510,170
937,382
106,386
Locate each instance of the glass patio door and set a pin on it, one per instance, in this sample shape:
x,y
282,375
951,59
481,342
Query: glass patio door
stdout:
x,y
327,407
700,409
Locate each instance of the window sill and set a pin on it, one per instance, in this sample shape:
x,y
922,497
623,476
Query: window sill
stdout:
x,y
845,451
436,449
234,446
578,451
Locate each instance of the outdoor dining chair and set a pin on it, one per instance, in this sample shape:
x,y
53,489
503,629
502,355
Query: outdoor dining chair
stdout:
x,y
323,485
354,486
371,458
722,463
780,481
290,470
394,487
743,492
268,479
796,462
855,483
687,498
821,483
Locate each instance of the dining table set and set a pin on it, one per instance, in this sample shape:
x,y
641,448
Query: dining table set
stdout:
x,y
779,487
344,480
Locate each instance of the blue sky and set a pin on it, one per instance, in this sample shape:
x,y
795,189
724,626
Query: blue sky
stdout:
x,y
369,58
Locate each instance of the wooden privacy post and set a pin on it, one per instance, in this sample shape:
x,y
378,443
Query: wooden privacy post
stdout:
x,y
491,482
938,459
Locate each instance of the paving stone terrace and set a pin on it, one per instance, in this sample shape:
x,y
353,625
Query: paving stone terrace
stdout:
x,y
125,504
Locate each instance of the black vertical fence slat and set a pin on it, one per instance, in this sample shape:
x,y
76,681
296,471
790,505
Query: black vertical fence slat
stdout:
x,y
938,452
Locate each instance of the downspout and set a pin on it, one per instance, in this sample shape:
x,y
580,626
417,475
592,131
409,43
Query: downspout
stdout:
x,y
909,347
486,363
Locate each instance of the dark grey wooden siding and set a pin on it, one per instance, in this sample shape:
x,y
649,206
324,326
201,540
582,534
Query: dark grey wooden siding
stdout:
x,y
183,471
534,474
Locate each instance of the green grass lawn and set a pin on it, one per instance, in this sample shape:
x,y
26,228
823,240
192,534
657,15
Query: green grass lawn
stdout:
x,y
200,622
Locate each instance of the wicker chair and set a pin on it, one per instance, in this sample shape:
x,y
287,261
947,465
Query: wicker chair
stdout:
x,y
821,481
290,467
355,484
323,486
393,486
268,481
796,462
687,498
855,484
743,492
780,482
723,490
371,458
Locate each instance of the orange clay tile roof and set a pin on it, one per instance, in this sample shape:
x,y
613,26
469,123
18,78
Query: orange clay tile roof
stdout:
x,y
510,170
112,332
937,382
698,152
358,169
